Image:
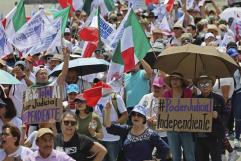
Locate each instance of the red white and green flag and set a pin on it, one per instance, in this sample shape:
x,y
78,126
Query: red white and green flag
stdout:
x,y
75,4
64,14
104,5
15,19
133,44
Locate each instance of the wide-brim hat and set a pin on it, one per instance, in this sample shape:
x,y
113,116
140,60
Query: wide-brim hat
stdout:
x,y
204,76
178,75
139,109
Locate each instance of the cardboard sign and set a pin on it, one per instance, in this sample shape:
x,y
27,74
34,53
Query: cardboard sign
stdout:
x,y
185,114
42,104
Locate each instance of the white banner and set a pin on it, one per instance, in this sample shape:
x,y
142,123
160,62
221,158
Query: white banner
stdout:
x,y
107,32
5,46
35,32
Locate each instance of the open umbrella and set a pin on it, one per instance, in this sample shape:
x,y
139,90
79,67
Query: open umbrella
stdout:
x,y
233,12
6,78
192,60
84,66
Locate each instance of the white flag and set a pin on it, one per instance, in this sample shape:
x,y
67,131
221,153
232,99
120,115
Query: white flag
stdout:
x,y
5,46
107,32
34,33
51,41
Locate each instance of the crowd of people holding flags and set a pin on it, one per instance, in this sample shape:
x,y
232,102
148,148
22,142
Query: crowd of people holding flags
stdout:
x,y
99,58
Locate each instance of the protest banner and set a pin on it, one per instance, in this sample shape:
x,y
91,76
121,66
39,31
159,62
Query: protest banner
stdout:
x,y
42,104
185,114
38,31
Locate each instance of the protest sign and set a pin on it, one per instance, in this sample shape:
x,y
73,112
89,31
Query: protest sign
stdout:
x,y
42,104
185,114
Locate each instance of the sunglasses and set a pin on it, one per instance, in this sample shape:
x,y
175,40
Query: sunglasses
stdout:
x,y
204,84
71,123
80,101
136,114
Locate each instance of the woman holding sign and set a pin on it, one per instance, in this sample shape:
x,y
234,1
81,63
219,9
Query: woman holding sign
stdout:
x,y
178,140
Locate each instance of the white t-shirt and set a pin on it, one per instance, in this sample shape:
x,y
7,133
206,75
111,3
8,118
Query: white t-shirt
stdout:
x,y
224,82
16,94
21,151
15,121
32,139
151,103
113,117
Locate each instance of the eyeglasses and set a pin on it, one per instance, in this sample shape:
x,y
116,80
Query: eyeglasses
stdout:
x,y
71,123
5,134
136,114
204,84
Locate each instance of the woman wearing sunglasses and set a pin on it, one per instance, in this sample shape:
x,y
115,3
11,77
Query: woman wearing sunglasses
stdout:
x,y
79,147
88,122
138,140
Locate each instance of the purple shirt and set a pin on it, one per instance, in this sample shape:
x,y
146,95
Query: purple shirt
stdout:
x,y
54,156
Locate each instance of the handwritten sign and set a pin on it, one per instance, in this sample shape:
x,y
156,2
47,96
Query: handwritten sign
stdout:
x,y
42,104
185,114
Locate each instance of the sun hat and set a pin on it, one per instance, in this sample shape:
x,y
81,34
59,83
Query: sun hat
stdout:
x,y
176,74
139,109
72,88
204,76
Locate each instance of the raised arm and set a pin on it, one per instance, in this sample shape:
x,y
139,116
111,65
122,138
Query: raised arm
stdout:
x,y
63,74
147,68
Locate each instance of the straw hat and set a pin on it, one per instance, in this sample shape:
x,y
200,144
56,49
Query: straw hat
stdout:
x,y
204,76
178,75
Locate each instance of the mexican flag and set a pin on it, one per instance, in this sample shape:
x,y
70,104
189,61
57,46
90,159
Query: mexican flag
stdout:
x,y
105,6
133,44
169,5
75,4
90,34
54,14
98,33
15,19
97,91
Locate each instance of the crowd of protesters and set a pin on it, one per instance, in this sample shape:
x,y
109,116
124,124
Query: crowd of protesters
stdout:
x,y
122,124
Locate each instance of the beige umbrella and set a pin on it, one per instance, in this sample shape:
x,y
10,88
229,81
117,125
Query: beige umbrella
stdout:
x,y
192,60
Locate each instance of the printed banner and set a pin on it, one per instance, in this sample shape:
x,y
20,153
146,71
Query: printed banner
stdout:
x,y
42,104
35,32
107,32
185,114
5,46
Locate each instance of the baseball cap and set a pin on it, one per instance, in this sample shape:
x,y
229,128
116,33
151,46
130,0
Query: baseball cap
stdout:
x,y
72,88
80,97
158,81
232,52
44,131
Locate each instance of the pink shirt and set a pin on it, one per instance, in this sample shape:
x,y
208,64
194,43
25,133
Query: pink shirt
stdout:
x,y
54,156
187,93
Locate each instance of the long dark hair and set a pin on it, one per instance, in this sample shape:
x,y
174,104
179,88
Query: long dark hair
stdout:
x,y
10,109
